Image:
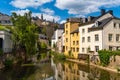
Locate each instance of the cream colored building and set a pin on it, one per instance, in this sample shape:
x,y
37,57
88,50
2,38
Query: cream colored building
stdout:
x,y
102,32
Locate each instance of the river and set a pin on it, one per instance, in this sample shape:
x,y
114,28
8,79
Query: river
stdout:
x,y
57,70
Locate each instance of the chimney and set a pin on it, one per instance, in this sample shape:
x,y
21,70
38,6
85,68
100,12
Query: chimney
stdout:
x,y
84,20
111,12
102,11
89,18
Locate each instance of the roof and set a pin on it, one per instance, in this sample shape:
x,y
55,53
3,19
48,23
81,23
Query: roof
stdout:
x,y
101,24
75,31
95,18
61,26
74,20
4,17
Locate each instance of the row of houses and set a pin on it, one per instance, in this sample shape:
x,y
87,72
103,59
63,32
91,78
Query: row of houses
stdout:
x,y
88,35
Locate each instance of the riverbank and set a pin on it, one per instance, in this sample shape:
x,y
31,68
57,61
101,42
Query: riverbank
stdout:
x,y
98,66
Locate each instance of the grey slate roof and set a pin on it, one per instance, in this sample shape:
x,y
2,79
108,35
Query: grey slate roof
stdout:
x,y
61,26
101,24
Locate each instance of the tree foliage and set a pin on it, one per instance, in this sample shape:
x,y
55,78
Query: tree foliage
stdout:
x,y
24,33
105,55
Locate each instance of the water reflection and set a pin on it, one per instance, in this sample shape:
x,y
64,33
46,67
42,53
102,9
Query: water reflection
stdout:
x,y
57,70
74,71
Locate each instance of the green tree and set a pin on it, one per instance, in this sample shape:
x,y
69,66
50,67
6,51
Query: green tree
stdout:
x,y
24,34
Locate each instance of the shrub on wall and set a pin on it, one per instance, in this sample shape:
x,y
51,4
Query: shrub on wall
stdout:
x,y
104,56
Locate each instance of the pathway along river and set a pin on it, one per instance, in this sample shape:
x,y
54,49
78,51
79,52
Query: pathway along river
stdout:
x,y
57,70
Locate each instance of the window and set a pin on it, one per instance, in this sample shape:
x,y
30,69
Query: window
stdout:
x,y
66,32
96,37
117,48
110,37
83,30
96,48
77,43
66,39
73,49
5,21
77,49
83,49
110,48
83,39
88,38
66,26
77,34
73,42
114,25
117,37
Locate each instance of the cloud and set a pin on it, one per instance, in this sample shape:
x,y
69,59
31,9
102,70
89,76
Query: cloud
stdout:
x,y
83,7
46,16
63,21
47,11
21,12
22,4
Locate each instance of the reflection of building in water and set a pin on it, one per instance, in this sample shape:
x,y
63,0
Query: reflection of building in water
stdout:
x,y
74,71
71,71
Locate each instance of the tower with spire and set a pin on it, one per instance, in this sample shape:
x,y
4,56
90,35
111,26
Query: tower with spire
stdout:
x,y
41,16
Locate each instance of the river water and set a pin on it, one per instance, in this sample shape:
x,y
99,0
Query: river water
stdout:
x,y
57,70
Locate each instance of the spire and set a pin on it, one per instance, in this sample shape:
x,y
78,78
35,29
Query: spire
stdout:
x,y
42,16
53,20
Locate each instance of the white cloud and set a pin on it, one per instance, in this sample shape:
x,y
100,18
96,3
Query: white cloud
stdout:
x,y
22,4
47,16
83,7
47,11
21,12
63,21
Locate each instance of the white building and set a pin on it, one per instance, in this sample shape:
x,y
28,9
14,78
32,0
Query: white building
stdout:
x,y
60,43
58,32
102,32
5,41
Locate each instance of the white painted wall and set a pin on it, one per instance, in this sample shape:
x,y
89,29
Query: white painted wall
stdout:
x,y
86,44
7,42
57,34
109,29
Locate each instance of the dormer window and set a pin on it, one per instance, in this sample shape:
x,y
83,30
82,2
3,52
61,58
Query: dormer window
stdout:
x,y
97,23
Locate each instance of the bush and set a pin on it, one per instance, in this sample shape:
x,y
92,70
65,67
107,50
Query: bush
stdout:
x,y
8,63
104,56
43,45
59,56
1,52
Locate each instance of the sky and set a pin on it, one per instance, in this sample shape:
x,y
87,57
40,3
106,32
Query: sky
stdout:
x,y
59,10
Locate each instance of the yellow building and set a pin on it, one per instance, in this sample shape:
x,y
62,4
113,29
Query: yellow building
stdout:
x,y
71,25
75,43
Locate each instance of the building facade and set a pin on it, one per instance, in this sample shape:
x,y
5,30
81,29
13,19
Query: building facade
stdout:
x,y
100,33
71,25
57,33
75,35
6,43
